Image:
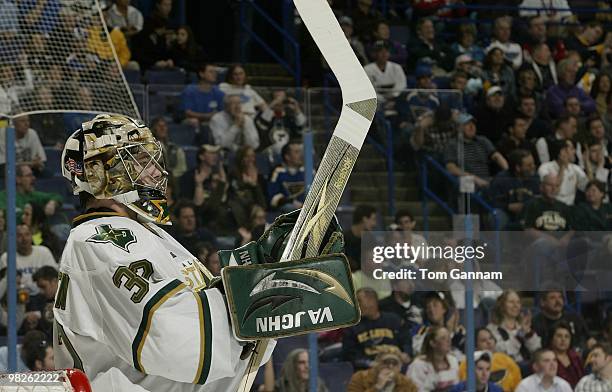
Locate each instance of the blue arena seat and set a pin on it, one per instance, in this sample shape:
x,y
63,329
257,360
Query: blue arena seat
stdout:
x,y
54,158
181,134
57,184
176,76
132,76
286,345
191,156
336,375
400,33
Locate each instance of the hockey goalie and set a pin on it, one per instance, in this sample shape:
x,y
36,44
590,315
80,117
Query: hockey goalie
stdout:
x,y
138,312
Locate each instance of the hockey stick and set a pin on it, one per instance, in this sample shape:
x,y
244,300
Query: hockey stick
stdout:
x,y
358,109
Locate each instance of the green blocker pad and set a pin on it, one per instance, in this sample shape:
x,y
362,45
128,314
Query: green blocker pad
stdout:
x,y
293,298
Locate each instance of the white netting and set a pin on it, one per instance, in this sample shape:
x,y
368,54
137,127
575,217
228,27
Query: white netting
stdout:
x,y
71,380
56,56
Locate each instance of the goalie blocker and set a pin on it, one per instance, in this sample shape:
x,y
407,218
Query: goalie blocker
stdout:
x,y
272,300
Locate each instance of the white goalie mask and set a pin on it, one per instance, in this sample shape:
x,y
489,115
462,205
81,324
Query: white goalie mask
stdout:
x,y
116,157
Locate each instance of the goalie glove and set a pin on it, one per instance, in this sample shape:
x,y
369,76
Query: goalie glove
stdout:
x,y
269,247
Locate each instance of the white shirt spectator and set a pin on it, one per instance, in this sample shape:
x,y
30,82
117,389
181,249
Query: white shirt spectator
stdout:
x,y
426,378
508,341
250,99
483,289
533,383
9,94
392,79
593,383
116,19
573,178
551,10
512,52
229,135
26,149
28,265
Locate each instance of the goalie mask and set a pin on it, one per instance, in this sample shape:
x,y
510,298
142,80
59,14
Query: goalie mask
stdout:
x,y
116,157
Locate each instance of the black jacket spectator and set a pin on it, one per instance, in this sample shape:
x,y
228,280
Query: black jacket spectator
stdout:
x,y
494,115
426,49
185,51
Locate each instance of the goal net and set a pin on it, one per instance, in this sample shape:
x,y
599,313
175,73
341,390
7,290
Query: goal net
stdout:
x,y
57,56
67,380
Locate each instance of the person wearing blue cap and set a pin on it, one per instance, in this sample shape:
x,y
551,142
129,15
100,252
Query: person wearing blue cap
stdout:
x,y
483,373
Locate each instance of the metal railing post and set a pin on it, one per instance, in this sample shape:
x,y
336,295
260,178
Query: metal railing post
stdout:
x,y
11,273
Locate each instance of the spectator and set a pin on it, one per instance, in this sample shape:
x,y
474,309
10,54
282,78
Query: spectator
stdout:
x,y
187,231
294,375
483,374
596,166
375,332
536,127
569,364
517,138
438,314
433,132
29,258
552,311
28,148
504,370
15,82
436,369
566,128
282,121
602,92
365,17
536,34
572,177
286,184
601,366
346,23
404,224
254,228
554,11
397,51
466,43
26,193
477,151
126,17
502,32
594,214
365,277
35,354
426,49
174,156
512,328
204,99
39,315
185,52
402,304
459,102
546,213
557,94
364,219
74,121
387,77
50,124
415,103
384,375
583,41
246,186
545,374
34,216
572,108
207,181
544,67
97,43
496,72
513,189
495,115
236,84
233,127
151,45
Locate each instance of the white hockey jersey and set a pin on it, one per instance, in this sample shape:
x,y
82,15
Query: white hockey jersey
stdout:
x,y
132,312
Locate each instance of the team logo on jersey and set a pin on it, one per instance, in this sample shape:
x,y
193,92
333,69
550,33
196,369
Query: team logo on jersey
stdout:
x,y
121,238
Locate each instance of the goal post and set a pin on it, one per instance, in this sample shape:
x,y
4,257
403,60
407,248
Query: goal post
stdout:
x,y
56,56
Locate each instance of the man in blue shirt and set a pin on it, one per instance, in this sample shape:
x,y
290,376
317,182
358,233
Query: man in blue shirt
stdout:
x,y
483,372
286,186
202,100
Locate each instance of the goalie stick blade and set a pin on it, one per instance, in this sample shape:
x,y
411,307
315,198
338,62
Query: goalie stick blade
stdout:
x,y
358,109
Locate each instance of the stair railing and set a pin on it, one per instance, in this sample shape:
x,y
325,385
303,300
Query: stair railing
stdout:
x,y
245,30
428,193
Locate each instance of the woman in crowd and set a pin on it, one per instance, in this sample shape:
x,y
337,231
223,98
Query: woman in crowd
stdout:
x,y
246,186
236,84
569,364
34,217
437,369
512,328
385,375
293,375
185,51
254,228
497,72
602,92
